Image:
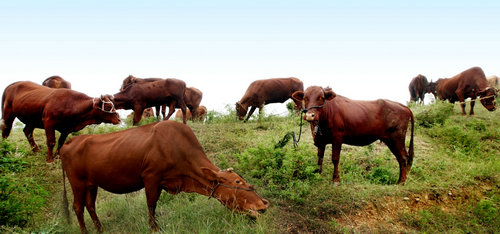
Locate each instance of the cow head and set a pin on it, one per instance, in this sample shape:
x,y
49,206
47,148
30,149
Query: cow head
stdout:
x,y
431,88
234,193
105,109
314,99
127,82
488,98
240,111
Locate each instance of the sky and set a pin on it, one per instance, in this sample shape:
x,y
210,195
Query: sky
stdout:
x,y
362,49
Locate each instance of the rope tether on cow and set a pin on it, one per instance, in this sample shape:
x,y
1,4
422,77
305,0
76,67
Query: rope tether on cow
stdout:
x,y
478,99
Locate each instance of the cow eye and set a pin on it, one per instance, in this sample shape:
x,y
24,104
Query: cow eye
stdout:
x,y
238,181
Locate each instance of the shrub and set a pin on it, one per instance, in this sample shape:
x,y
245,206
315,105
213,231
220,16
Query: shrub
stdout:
x,y
433,115
285,171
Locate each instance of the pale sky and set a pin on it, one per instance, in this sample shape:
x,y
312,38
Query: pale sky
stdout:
x,y
362,49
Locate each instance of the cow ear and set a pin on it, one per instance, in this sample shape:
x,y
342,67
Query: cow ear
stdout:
x,y
210,174
298,95
329,95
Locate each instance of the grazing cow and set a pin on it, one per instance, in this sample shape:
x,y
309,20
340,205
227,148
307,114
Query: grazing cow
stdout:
x,y
56,82
148,112
494,82
470,83
169,158
199,115
418,87
64,110
337,120
141,95
261,92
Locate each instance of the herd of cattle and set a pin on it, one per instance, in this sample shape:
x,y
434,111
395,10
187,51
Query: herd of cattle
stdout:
x,y
166,155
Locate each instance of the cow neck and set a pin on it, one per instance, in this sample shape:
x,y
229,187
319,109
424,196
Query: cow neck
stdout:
x,y
87,114
197,182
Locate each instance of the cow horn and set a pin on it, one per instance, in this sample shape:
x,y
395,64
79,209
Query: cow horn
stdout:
x,y
229,169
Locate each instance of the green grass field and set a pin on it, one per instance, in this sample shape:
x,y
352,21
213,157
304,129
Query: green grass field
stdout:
x,y
453,185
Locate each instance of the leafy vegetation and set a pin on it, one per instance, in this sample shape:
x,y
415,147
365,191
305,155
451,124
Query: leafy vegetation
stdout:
x,y
453,185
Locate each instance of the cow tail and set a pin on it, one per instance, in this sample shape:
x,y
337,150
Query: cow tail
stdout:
x,y
65,197
410,148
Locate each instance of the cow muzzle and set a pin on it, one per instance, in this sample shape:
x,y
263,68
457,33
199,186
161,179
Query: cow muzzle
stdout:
x,y
309,116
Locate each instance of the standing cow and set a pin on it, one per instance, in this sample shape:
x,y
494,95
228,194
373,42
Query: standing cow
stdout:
x,y
192,96
337,120
64,110
261,92
140,96
56,82
470,83
418,88
158,156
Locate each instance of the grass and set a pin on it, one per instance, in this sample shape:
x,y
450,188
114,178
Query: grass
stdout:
x,y
453,185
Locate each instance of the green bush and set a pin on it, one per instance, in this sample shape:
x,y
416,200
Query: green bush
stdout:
x,y
283,170
487,213
432,115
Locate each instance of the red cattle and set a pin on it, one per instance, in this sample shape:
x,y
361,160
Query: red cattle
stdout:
x,y
56,82
192,96
470,83
261,92
337,120
64,110
132,80
200,114
418,87
164,155
138,96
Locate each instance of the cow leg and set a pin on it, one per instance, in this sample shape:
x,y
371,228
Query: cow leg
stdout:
x,y
28,132
252,109
51,142
157,112
321,154
472,103
397,147
171,110
78,204
137,114
461,99
335,160
60,142
153,191
6,123
163,110
90,205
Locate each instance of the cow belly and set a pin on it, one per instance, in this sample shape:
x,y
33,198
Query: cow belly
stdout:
x,y
360,140
120,185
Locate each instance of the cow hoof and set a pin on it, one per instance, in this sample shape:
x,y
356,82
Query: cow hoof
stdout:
x,y
36,149
49,161
317,171
336,183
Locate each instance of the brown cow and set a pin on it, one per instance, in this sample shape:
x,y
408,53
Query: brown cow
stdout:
x,y
192,96
132,79
169,158
139,96
64,110
418,87
56,82
261,92
200,114
337,120
470,83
